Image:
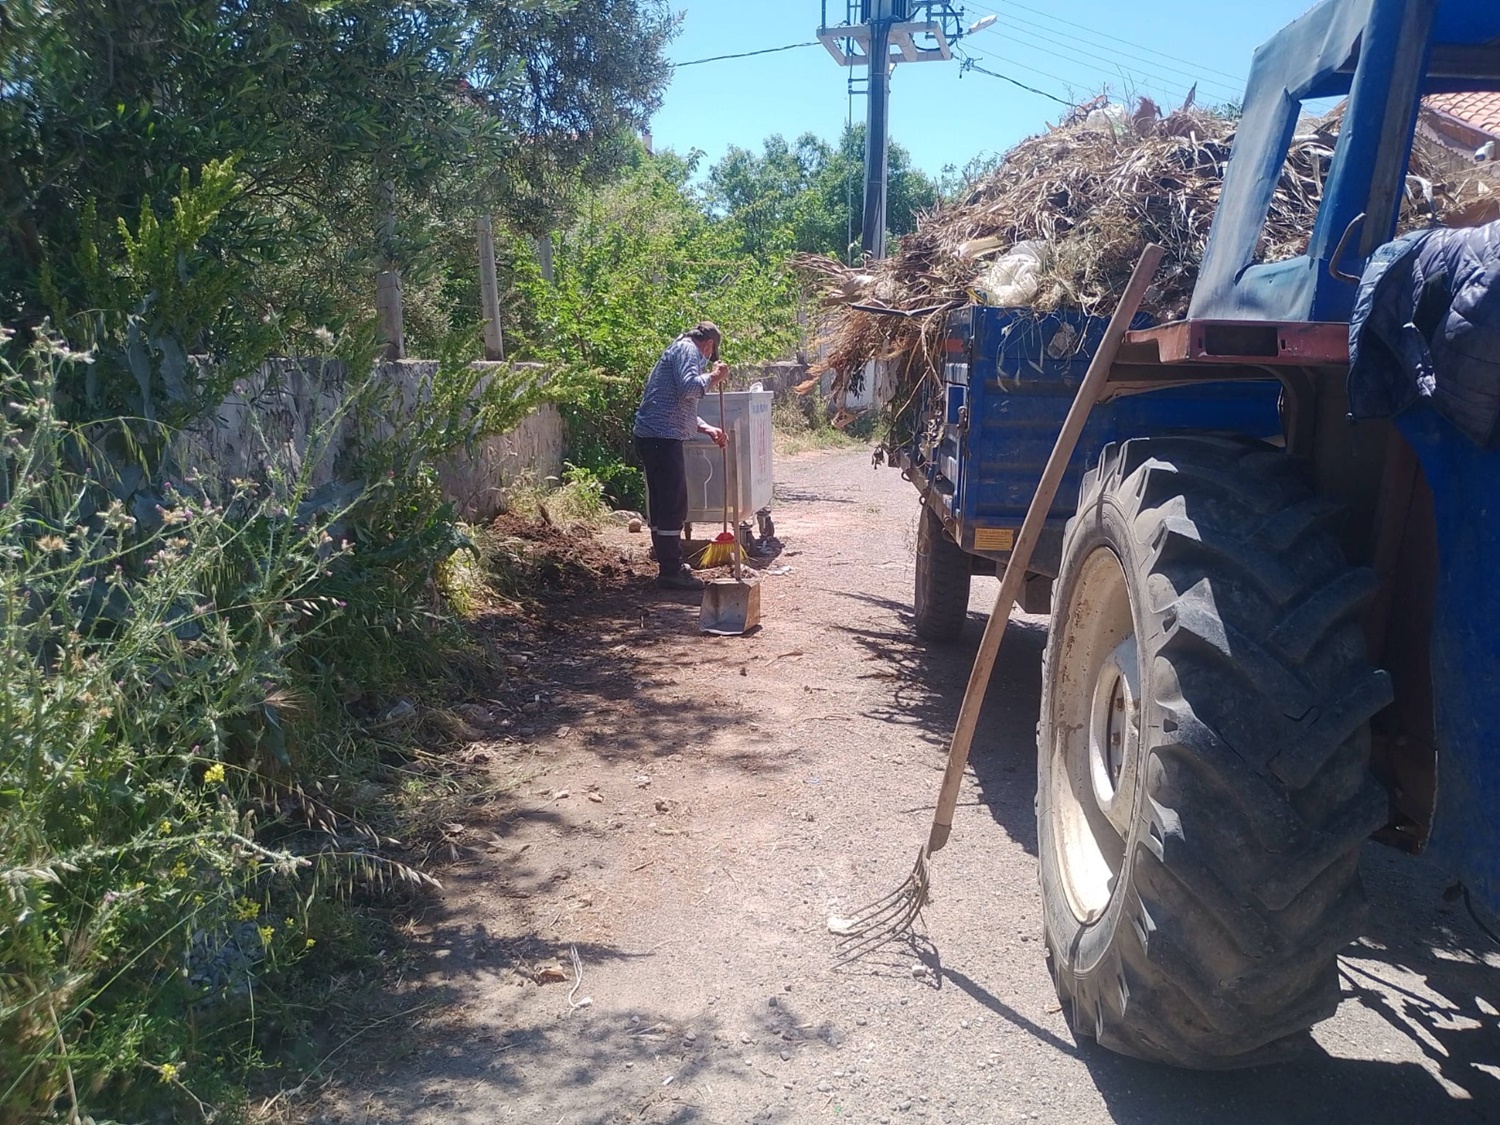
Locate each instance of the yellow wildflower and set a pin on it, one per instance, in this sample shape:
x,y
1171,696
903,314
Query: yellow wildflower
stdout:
x,y
168,1072
214,774
266,934
164,828
245,909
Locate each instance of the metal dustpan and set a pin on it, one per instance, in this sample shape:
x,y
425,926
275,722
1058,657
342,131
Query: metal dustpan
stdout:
x,y
731,606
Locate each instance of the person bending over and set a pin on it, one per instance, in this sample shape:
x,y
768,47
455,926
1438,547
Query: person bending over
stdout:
x,y
666,418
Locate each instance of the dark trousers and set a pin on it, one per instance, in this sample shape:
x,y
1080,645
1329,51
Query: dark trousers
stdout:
x,y
666,497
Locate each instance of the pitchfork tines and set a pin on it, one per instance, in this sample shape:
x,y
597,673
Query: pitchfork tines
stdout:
x,y
885,919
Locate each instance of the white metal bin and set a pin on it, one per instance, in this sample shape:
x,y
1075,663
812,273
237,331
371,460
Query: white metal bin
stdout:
x,y
751,410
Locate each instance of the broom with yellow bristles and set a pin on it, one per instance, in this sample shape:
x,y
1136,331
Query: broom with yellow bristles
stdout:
x,y
720,552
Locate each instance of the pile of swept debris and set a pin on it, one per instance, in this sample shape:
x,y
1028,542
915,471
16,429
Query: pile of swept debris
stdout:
x,y
1061,222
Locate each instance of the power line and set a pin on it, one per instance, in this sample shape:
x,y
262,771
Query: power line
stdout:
x,y
1076,28
1169,89
1165,94
1067,82
970,64
747,54
1024,32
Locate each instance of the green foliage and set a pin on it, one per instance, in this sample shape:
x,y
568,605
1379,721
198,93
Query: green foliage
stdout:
x,y
401,530
956,183
147,646
333,112
197,687
801,423
150,296
808,196
582,495
180,669
642,264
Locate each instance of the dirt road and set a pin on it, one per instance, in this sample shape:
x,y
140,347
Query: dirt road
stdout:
x,y
696,809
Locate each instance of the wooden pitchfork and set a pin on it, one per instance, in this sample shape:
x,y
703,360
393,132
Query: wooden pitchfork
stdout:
x,y
893,916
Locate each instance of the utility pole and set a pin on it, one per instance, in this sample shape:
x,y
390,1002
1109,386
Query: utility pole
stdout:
x,y
878,34
877,132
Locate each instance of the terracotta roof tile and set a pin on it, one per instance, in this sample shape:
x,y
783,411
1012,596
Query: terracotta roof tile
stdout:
x,y
1481,110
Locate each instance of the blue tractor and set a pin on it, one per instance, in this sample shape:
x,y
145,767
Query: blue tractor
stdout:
x,y
1275,629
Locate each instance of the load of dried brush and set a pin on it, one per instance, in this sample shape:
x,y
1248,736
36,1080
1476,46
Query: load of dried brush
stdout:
x,y
1094,190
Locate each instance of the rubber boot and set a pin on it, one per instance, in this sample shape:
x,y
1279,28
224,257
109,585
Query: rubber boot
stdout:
x,y
672,573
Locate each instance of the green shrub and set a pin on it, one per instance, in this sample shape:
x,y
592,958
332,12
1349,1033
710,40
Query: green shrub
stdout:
x,y
801,423
144,645
641,264
186,680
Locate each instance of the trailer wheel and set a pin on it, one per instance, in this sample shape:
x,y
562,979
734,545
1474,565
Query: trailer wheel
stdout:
x,y
1203,785
943,573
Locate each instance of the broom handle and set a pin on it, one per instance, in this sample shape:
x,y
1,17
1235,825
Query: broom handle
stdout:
x,y
724,451
732,481
1020,558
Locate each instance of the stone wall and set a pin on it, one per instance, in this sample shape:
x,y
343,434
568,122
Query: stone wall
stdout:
x,y
533,449
279,419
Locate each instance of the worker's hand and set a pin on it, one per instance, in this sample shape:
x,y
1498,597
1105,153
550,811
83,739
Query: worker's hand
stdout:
x,y
719,373
717,436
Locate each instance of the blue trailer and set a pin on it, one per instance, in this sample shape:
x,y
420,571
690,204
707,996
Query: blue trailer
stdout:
x,y
1275,625
984,433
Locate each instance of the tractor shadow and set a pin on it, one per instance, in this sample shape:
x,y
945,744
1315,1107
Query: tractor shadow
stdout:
x,y
1417,1035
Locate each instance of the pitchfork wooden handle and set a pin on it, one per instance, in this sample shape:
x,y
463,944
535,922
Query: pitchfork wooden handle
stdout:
x,y
1020,558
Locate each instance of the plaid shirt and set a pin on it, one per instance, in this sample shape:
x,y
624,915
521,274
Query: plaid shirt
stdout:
x,y
669,407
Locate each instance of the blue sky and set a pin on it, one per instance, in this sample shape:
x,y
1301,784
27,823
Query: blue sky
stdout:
x,y
1067,49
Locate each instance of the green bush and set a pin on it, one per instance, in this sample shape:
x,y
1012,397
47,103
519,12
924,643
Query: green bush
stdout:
x,y
800,423
642,264
181,670
143,651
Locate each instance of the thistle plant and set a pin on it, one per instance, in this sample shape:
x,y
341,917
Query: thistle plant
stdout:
x,y
146,629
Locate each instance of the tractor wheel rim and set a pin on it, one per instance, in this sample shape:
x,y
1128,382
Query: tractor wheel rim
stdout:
x,y
1095,736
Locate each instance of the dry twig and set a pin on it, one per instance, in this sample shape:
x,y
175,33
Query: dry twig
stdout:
x,y
1095,193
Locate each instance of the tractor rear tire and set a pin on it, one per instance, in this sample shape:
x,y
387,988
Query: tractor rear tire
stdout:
x,y
944,570
1203,787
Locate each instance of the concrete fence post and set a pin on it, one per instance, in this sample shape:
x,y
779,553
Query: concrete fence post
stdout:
x,y
544,256
388,311
489,291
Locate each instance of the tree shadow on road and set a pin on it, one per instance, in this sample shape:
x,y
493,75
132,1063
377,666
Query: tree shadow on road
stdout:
x,y
1314,1088
927,687
577,1063
616,651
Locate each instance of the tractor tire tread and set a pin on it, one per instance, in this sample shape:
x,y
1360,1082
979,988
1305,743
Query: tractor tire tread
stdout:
x,y
1258,788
